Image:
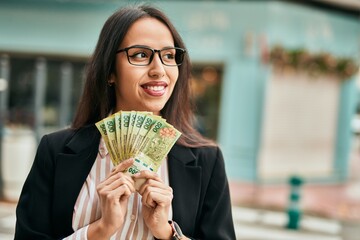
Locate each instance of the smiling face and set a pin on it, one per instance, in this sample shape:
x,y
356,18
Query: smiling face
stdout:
x,y
144,88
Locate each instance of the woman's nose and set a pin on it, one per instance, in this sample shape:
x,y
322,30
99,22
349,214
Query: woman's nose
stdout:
x,y
156,66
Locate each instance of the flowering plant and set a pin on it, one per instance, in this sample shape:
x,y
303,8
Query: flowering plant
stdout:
x,y
313,63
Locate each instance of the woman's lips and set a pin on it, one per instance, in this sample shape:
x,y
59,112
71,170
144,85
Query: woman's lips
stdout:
x,y
155,89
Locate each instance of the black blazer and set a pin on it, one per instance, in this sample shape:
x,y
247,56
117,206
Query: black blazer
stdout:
x,y
201,203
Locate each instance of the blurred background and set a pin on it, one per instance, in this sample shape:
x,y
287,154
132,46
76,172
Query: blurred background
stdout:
x,y
276,84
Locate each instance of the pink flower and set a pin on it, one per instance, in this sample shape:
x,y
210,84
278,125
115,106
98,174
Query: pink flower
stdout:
x,y
167,133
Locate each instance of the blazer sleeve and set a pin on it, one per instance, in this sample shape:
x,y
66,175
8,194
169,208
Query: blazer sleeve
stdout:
x,y
33,211
216,221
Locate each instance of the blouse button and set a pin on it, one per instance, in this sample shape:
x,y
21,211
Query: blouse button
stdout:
x,y
132,217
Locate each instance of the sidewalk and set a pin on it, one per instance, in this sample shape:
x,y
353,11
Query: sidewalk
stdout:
x,y
331,200
250,224
255,224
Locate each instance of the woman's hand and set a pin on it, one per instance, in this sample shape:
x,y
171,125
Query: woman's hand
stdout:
x,y
156,202
114,193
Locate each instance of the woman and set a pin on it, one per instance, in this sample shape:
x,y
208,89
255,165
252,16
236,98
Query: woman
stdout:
x,y
73,191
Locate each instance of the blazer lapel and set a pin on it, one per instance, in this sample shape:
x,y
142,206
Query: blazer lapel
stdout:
x,y
72,169
185,179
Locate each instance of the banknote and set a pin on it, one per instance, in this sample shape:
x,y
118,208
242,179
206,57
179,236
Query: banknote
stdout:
x,y
102,129
112,139
125,120
144,128
136,130
130,131
140,135
117,117
157,143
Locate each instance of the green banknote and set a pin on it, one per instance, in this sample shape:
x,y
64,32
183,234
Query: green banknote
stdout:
x,y
144,128
117,117
130,131
134,135
157,143
140,135
125,121
102,129
112,139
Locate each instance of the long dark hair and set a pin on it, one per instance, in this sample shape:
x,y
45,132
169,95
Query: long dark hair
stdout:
x,y
98,99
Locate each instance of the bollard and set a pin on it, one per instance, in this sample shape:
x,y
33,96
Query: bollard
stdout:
x,y
294,211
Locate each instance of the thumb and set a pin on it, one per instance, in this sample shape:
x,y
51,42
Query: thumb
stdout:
x,y
123,165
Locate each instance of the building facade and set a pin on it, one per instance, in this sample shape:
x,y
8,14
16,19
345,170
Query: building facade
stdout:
x,y
44,46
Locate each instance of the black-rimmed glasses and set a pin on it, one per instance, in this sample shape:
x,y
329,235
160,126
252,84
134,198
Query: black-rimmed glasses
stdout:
x,y
142,55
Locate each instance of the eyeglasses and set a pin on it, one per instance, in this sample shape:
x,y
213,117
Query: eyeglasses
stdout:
x,y
142,55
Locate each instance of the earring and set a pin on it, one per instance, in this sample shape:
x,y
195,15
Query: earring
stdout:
x,y
110,84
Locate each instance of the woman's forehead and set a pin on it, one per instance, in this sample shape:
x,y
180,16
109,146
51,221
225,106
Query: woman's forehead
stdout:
x,y
150,32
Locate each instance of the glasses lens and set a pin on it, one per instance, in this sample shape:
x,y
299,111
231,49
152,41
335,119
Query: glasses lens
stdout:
x,y
180,53
139,55
172,56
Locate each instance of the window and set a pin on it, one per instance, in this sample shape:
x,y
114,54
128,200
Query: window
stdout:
x,y
59,89
206,88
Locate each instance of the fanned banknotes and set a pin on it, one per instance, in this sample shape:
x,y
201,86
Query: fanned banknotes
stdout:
x,y
143,136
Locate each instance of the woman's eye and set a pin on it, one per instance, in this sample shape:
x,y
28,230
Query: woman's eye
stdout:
x,y
169,56
139,55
